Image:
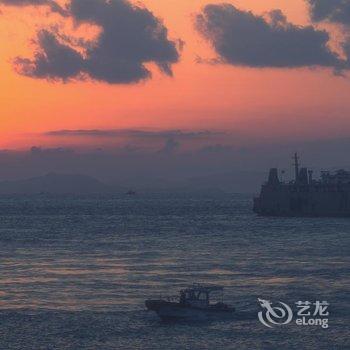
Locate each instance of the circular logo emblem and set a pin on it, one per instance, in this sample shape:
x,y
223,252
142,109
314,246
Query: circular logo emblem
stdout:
x,y
274,315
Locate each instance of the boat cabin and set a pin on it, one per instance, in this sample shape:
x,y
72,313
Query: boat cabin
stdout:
x,y
198,296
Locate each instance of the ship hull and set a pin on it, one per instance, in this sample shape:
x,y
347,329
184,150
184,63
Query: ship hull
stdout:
x,y
273,202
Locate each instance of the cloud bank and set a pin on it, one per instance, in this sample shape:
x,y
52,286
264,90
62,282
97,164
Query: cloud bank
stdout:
x,y
131,36
210,165
244,39
135,133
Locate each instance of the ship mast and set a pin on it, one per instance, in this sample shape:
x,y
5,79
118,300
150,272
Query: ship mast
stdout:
x,y
296,166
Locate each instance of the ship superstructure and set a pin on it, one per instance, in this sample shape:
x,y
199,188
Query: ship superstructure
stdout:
x,y
305,196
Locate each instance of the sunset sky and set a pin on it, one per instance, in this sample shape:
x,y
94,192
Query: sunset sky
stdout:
x,y
269,100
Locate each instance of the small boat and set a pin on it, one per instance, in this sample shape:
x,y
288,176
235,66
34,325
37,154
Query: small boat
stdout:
x,y
131,193
193,303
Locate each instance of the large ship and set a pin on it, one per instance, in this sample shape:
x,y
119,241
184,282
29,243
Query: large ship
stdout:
x,y
328,196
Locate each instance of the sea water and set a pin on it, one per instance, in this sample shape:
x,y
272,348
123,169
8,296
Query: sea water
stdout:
x,y
75,271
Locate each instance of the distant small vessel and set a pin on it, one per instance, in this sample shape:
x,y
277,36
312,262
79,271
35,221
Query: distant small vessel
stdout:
x,y
131,193
193,303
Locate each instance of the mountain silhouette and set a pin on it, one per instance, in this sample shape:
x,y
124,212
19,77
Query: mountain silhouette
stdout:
x,y
55,183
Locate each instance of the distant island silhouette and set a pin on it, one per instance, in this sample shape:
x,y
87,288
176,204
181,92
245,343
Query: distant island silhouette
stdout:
x,y
71,183
55,183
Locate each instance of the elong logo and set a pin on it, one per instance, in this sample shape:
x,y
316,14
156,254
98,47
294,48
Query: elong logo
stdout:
x,y
282,314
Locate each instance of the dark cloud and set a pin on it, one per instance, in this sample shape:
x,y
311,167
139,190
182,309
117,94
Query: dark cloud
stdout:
x,y
242,38
133,133
336,11
54,6
131,36
53,60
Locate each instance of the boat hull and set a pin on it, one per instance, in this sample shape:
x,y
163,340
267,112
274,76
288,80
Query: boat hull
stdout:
x,y
171,311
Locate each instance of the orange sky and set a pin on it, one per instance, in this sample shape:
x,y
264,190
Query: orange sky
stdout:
x,y
261,103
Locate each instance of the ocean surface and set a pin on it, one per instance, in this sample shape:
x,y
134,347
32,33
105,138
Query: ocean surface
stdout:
x,y
75,272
